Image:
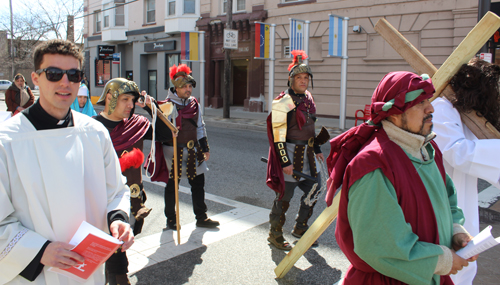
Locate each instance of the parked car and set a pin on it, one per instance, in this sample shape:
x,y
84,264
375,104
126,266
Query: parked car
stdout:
x,y
4,84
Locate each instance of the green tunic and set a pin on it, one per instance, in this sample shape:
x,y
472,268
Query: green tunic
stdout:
x,y
388,244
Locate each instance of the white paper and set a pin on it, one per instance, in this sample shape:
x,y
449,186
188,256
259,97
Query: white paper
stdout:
x,y
83,231
480,243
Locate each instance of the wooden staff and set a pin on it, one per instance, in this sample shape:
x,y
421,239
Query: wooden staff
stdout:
x,y
175,132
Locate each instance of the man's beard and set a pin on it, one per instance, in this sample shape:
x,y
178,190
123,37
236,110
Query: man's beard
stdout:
x,y
421,132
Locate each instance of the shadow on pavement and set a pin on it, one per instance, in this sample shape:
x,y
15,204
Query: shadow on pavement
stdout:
x,y
319,267
176,270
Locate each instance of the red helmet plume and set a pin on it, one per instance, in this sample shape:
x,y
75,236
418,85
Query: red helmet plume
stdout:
x,y
177,69
295,61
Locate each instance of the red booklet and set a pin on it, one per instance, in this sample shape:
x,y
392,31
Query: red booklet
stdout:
x,y
95,246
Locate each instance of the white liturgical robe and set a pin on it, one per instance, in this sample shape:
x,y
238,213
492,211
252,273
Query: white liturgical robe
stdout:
x,y
466,159
51,181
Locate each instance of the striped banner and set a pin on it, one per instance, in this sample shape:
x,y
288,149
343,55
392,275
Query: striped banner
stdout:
x,y
335,37
296,34
262,41
189,46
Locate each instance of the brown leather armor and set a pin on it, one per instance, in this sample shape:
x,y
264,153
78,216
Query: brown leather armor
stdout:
x,y
301,138
293,132
187,137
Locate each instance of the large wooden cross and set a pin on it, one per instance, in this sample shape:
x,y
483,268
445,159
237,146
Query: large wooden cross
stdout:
x,y
468,48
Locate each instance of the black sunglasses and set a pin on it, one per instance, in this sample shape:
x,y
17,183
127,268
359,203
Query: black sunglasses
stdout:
x,y
55,74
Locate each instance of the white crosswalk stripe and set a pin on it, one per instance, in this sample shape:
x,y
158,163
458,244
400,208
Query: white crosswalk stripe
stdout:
x,y
162,246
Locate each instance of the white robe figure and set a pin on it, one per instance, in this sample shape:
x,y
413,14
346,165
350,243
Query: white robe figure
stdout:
x,y
51,181
465,159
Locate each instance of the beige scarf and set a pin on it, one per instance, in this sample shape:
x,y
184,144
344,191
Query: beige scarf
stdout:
x,y
23,96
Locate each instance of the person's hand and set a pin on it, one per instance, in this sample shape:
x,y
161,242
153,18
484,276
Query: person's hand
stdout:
x,y
122,232
460,240
147,100
207,156
288,170
59,255
458,263
320,156
174,135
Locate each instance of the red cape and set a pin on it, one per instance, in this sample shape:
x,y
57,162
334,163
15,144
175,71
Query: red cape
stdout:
x,y
128,132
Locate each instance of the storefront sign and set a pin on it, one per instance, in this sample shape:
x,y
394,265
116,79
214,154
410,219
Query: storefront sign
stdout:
x,y
159,46
105,52
486,56
116,58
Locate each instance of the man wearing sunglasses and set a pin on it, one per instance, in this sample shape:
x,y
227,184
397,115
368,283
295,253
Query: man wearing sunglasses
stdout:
x,y
58,168
128,132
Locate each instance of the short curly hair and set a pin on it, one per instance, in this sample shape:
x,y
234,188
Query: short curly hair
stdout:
x,y
476,89
57,46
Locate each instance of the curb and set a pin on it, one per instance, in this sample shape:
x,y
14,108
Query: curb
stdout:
x,y
488,215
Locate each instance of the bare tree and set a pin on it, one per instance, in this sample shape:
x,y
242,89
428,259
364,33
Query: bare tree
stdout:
x,y
36,21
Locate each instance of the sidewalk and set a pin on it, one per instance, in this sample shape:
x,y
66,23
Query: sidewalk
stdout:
x,y
257,120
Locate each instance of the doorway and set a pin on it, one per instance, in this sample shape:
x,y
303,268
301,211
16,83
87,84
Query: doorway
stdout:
x,y
240,81
152,84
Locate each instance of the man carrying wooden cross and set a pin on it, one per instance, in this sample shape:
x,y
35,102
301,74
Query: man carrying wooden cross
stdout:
x,y
466,158
398,219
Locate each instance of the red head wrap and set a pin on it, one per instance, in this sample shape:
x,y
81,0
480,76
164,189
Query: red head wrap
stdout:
x,y
391,93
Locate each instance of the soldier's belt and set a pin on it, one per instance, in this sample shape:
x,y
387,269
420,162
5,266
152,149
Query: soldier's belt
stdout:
x,y
190,144
309,142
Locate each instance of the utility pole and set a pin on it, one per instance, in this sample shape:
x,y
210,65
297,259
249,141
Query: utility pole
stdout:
x,y
70,31
227,63
11,39
483,8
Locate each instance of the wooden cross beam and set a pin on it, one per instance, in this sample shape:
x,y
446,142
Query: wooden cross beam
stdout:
x,y
476,38
467,49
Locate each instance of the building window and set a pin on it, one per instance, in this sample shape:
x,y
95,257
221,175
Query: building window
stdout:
x,y
97,17
170,59
120,15
189,6
238,5
106,15
150,11
171,7
102,72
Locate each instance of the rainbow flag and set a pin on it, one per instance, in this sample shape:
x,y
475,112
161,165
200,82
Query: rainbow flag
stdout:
x,y
189,46
262,40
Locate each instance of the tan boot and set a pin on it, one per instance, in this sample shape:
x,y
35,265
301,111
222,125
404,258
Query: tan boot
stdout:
x,y
279,242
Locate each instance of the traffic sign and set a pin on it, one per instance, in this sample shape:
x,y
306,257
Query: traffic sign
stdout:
x,y
230,39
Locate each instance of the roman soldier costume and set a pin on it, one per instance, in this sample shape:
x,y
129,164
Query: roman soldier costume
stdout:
x,y
192,144
128,137
292,141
